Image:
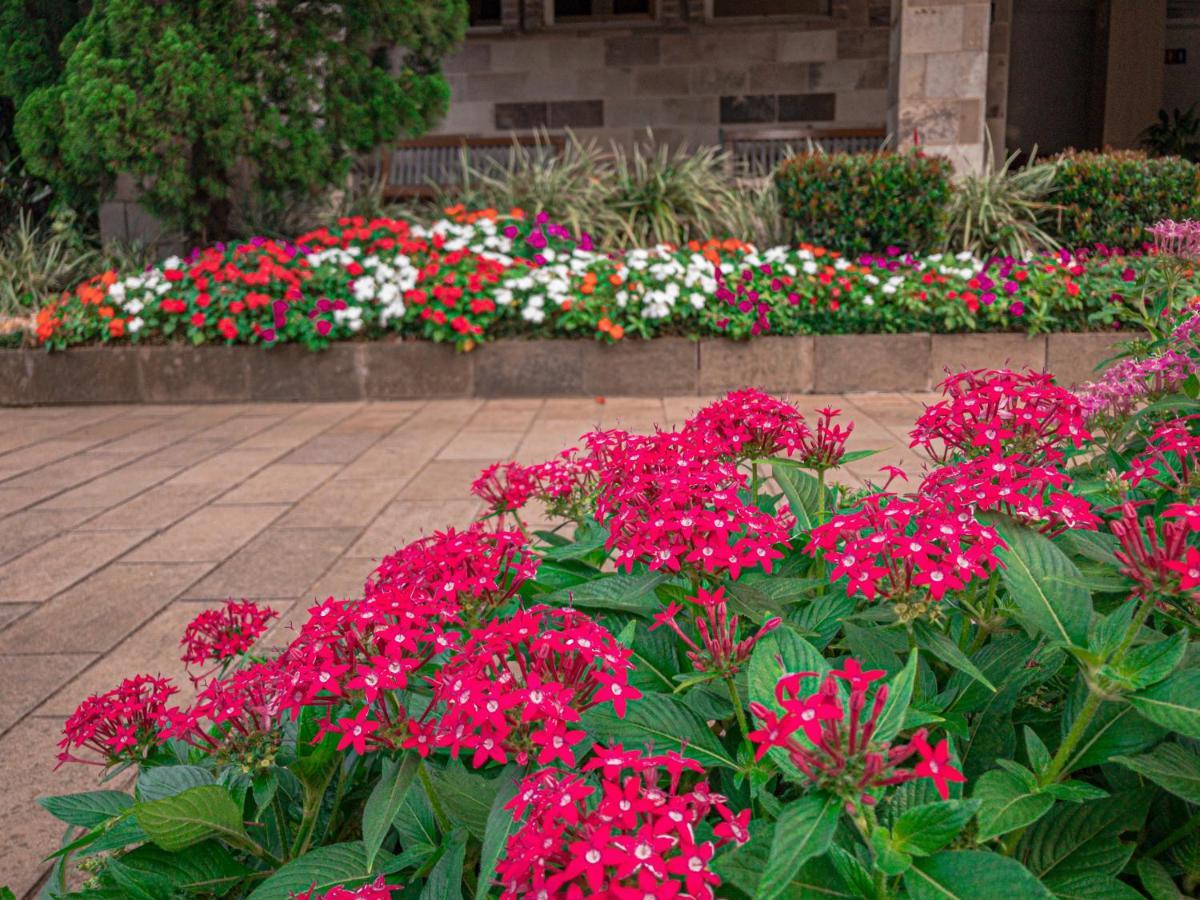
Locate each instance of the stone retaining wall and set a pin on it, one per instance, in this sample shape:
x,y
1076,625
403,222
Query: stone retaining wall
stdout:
x,y
396,370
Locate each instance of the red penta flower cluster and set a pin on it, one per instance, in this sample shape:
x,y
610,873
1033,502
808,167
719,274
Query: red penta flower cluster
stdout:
x,y
477,569
748,424
825,448
375,890
516,688
1035,494
719,650
905,549
990,411
504,487
117,726
231,630
1171,460
668,507
833,742
632,835
1156,557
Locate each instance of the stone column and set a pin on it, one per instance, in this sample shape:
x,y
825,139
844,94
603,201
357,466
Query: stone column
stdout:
x,y
937,91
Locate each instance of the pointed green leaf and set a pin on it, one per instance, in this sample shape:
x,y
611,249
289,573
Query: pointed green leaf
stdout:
x,y
1171,767
445,880
940,645
926,829
1006,803
88,809
1043,583
190,817
1174,703
661,722
971,875
319,870
900,691
500,824
384,802
803,830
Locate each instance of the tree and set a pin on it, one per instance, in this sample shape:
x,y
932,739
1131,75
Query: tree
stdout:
x,y
209,102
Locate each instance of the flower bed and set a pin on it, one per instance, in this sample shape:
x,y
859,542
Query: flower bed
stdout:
x,y
477,276
722,674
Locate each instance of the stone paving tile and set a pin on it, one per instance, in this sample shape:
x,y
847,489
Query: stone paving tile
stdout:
x,y
111,489
25,530
331,448
157,508
280,562
228,468
344,580
25,681
481,445
57,564
343,504
446,479
207,535
279,483
100,611
406,520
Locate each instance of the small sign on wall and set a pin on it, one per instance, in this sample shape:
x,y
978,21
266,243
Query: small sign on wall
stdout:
x,y
1176,56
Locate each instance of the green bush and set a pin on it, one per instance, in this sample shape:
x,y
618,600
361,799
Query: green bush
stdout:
x,y
859,202
1110,198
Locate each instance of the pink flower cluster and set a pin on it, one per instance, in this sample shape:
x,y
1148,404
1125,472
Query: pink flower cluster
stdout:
x,y
632,835
749,424
1001,412
1128,383
231,630
516,688
118,726
1181,239
1156,556
719,651
1171,460
833,742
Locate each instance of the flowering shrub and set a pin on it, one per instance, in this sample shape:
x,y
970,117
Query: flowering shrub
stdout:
x,y
723,674
472,277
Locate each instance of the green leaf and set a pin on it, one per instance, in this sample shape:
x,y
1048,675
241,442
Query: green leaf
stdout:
x,y
801,489
1171,767
1157,881
1174,703
1074,791
1039,576
971,875
1082,839
384,802
628,593
465,796
1116,729
765,670
88,809
803,830
1091,886
1006,803
188,818
1150,663
940,645
900,690
500,824
320,869
206,868
926,829
167,781
742,868
659,721
445,880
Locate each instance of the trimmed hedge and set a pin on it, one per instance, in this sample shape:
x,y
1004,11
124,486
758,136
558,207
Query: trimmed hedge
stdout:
x,y
861,202
1110,198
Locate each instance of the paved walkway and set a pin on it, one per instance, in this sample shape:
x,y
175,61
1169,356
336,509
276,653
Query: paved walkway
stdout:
x,y
118,524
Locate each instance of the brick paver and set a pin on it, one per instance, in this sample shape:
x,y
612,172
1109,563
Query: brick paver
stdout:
x,y
119,524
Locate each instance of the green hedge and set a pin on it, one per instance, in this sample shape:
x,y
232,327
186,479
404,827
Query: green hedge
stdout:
x,y
862,202
1111,197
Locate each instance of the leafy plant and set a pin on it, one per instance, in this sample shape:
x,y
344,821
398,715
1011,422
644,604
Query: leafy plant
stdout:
x,y
711,681
1000,210
1174,134
39,260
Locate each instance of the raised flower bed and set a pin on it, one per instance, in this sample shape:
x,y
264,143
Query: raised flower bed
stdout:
x,y
722,673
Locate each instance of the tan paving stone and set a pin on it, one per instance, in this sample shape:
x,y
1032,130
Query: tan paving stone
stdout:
x,y
487,446
344,580
156,509
10,612
25,530
280,562
60,562
406,520
228,468
445,479
279,483
97,614
25,681
331,448
41,454
207,535
343,504
112,489
382,462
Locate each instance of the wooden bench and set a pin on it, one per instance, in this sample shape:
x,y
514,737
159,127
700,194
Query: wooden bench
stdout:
x,y
755,152
419,167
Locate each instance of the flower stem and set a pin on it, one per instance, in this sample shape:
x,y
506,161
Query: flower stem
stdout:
x,y
738,710
1175,836
438,813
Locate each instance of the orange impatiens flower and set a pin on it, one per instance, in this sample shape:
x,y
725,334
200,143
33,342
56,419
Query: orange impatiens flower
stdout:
x,y
116,328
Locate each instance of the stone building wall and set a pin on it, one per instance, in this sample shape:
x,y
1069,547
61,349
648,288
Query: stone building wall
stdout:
x,y
687,76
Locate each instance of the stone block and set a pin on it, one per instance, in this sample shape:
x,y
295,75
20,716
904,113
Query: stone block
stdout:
x,y
503,86
112,221
956,352
1073,358
401,369
294,373
959,75
779,364
783,78
183,374
862,43
746,108
871,362
931,29
807,107
577,114
521,116
470,56
632,50
865,108
576,51
841,75
641,368
662,81
717,80
78,375
808,46
521,54
541,368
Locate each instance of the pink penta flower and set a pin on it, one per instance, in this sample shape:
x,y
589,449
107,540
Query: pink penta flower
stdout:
x,y
627,829
378,889
1156,557
718,647
824,449
518,685
748,424
831,738
504,487
1171,460
1184,512
117,726
998,411
228,631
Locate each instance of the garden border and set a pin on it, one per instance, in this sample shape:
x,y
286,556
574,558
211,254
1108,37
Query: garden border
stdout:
x,y
405,370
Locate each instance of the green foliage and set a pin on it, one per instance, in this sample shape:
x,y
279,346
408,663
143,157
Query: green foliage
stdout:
x,y
1174,134
1112,197
202,102
40,260
861,202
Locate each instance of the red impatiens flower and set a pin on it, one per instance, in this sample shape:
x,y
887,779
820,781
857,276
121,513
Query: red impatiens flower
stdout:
x,y
117,726
516,688
230,630
719,651
990,411
631,834
833,741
